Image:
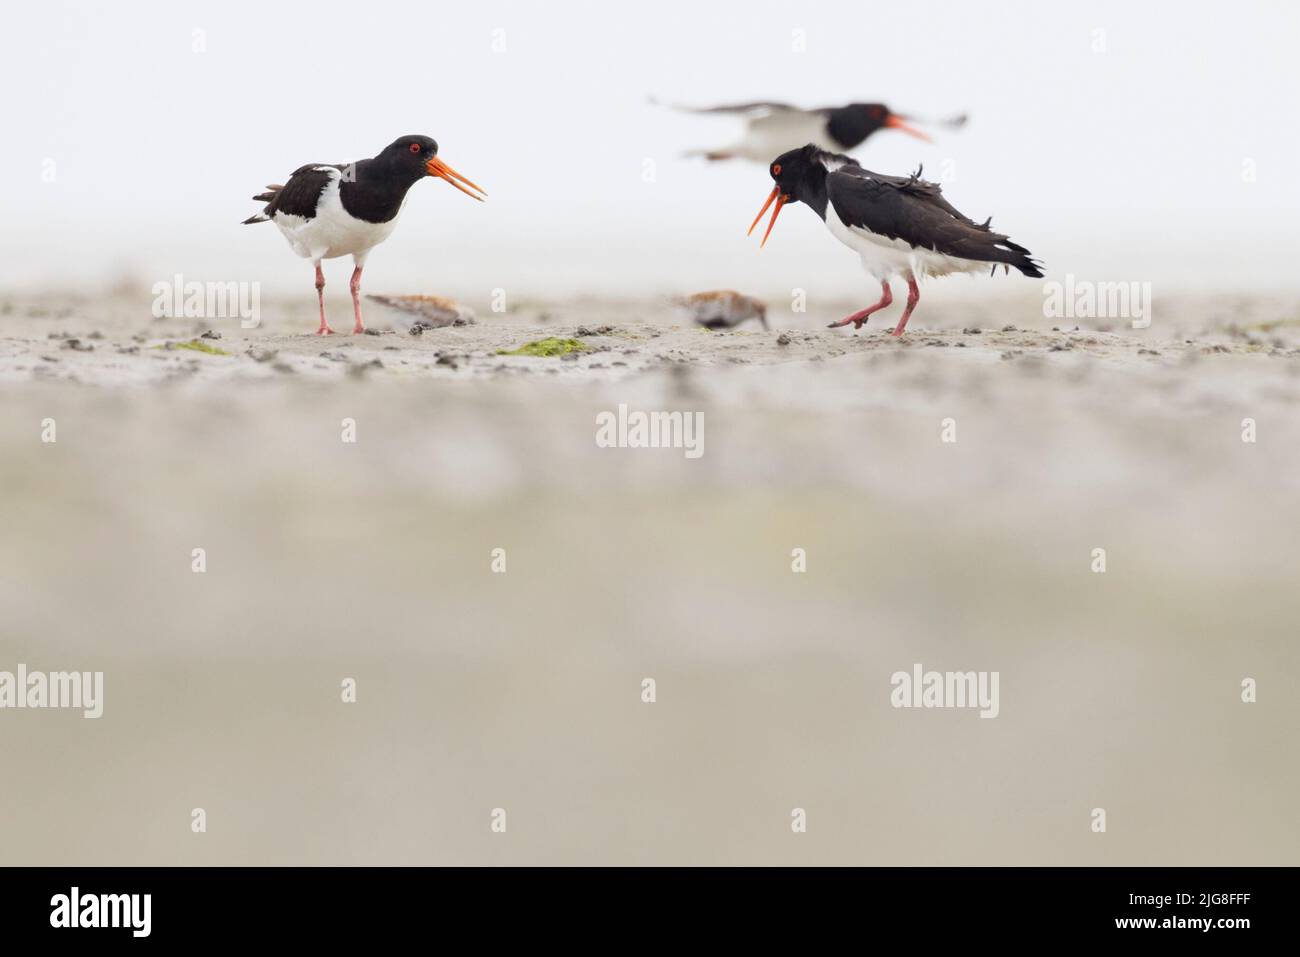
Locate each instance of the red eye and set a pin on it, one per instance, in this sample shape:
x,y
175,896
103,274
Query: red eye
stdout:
x,y
776,169
415,147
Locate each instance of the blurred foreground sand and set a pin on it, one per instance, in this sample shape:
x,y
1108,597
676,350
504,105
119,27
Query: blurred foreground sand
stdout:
x,y
522,691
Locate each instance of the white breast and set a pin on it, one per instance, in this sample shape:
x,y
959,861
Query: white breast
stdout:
x,y
769,136
332,232
881,257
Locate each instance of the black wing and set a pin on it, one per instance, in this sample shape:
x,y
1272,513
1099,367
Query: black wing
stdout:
x,y
751,109
914,210
297,197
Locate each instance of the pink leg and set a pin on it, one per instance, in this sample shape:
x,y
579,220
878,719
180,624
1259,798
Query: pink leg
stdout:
x,y
913,295
324,329
858,318
355,285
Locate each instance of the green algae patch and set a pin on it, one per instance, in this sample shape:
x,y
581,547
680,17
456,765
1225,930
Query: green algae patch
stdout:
x,y
195,345
547,348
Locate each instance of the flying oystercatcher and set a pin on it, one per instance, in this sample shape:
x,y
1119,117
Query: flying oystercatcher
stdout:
x,y
326,211
899,225
773,128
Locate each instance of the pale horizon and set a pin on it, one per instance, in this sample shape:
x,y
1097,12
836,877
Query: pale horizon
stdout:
x,y
1121,155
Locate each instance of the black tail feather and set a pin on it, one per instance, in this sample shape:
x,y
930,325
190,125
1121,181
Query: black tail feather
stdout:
x,y
1013,254
271,190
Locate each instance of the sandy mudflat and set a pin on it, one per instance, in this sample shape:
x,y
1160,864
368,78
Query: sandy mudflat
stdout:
x,y
117,343
476,690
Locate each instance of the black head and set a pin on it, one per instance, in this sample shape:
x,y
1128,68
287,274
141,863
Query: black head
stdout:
x,y
409,154
411,157
850,125
800,177
801,173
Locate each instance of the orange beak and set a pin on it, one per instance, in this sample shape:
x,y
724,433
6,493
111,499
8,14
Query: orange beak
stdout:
x,y
780,201
896,122
436,167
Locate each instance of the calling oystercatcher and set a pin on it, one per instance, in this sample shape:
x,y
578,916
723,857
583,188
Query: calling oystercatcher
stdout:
x,y
899,225
326,211
773,128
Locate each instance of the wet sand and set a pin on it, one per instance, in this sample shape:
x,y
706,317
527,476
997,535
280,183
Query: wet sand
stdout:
x,y
372,560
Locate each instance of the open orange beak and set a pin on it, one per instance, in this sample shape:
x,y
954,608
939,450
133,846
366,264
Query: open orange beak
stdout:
x,y
436,167
780,201
896,122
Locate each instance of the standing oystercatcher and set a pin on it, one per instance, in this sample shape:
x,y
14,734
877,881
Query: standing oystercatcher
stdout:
x,y
898,225
326,211
773,128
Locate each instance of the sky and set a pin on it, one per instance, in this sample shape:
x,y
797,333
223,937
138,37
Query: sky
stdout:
x,y
1117,141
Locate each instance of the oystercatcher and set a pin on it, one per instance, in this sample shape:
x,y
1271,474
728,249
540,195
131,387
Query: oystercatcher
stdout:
x,y
326,211
773,128
722,309
899,225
